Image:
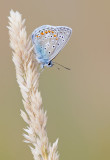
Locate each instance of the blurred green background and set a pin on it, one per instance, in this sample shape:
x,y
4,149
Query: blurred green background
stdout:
x,y
77,101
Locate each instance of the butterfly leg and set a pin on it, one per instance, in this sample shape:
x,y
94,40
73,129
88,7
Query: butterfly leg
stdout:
x,y
42,66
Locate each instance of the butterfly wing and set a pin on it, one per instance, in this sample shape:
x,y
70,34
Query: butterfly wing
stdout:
x,y
49,40
63,35
44,41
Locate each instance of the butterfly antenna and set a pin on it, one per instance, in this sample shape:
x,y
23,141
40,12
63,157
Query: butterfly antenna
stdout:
x,y
61,66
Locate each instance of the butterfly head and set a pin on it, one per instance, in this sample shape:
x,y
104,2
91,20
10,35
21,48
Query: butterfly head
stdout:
x,y
50,64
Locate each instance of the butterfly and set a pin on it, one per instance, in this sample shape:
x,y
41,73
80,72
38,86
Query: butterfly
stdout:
x,y
48,41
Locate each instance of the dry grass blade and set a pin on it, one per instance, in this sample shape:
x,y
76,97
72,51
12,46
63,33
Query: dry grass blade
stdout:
x,y
27,75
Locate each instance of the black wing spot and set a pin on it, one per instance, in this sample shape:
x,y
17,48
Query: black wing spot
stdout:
x,y
49,52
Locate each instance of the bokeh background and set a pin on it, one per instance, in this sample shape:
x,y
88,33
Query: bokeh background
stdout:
x,y
77,101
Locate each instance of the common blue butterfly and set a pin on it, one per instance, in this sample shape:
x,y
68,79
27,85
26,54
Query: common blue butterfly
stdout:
x,y
48,41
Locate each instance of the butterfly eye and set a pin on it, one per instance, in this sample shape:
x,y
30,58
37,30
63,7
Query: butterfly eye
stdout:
x,y
49,63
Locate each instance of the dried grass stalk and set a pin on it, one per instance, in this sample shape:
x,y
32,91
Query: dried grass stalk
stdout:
x,y
27,75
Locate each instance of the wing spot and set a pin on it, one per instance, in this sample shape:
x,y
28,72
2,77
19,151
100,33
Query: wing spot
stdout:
x,y
42,33
49,52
